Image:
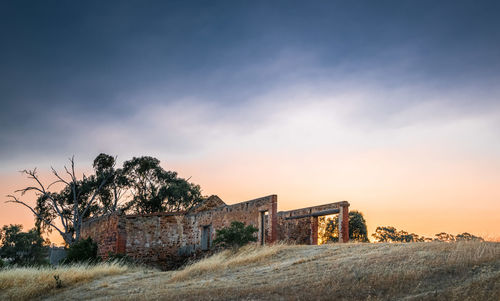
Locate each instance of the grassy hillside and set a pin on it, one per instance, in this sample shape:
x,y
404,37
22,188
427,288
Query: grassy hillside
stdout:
x,y
415,271
28,283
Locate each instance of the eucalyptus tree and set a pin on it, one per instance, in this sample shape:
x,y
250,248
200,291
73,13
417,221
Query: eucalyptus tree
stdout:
x,y
140,186
63,211
113,195
154,189
357,228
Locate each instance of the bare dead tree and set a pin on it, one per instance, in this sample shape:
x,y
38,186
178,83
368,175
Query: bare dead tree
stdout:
x,y
70,215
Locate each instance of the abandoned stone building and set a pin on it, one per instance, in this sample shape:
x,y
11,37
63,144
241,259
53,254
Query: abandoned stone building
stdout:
x,y
162,238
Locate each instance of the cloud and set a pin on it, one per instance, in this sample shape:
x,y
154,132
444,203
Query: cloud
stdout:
x,y
294,115
332,109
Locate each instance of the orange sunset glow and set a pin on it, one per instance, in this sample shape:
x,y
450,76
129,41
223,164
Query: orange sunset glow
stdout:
x,y
399,117
427,195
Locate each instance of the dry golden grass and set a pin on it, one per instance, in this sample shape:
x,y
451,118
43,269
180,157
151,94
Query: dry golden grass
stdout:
x,y
28,283
414,271
227,259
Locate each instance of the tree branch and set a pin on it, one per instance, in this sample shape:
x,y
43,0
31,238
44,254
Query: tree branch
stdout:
x,y
41,191
95,193
17,201
61,180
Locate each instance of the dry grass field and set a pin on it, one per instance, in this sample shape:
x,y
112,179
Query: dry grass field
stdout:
x,y
29,283
413,271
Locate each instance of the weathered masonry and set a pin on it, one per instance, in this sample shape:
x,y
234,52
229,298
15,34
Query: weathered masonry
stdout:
x,y
163,238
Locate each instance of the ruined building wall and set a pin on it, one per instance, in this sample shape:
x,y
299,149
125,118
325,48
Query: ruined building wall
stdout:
x,y
294,231
156,238
109,233
300,226
249,212
164,238
344,223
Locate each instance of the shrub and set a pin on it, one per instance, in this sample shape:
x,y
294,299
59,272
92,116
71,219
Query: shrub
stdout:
x,y
235,236
84,250
1,264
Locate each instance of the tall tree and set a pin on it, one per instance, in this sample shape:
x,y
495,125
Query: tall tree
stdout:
x,y
63,211
142,186
154,189
112,195
357,228
22,248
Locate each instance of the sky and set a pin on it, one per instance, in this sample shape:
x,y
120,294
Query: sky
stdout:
x,y
391,105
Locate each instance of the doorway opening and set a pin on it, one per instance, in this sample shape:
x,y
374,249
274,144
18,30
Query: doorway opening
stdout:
x,y
328,230
205,238
264,216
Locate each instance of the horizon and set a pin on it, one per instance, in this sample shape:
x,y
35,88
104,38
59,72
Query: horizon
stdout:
x,y
393,107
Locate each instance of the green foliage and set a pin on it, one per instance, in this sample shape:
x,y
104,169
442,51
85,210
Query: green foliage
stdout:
x,y
2,264
391,234
142,186
468,237
22,248
84,250
76,201
110,196
155,189
445,237
235,236
357,228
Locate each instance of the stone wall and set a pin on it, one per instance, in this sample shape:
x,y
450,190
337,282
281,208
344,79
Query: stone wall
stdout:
x,y
296,231
165,239
248,212
109,233
156,238
300,226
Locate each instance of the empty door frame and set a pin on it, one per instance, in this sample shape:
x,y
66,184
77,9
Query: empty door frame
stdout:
x,y
205,237
263,219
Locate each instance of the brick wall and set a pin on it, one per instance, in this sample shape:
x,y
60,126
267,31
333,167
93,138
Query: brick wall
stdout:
x,y
300,226
109,233
248,212
344,223
156,238
165,239
295,230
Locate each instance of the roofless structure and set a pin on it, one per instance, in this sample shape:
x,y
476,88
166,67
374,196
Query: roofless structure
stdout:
x,y
164,238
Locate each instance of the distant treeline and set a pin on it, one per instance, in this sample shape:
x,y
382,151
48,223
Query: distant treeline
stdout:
x,y
358,232
391,234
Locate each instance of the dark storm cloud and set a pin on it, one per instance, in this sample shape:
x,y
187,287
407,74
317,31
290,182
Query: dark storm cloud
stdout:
x,y
67,67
